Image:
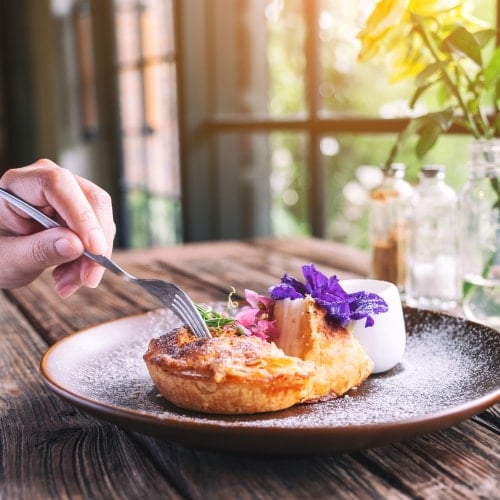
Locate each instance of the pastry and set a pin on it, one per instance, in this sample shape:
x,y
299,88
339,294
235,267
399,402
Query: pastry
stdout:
x,y
304,331
293,346
228,373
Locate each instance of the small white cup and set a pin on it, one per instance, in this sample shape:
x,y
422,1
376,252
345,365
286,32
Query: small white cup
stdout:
x,y
385,341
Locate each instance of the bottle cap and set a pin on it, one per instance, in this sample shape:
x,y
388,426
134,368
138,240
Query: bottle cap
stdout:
x,y
396,170
397,167
432,171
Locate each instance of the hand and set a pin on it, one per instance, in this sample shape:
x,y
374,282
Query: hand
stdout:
x,y
26,249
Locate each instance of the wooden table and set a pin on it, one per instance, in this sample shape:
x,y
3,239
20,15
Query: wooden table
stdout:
x,y
51,449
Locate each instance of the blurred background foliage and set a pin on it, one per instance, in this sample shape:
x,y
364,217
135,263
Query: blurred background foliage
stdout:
x,y
348,88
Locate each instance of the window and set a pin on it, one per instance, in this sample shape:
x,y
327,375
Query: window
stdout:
x,y
146,74
237,118
279,119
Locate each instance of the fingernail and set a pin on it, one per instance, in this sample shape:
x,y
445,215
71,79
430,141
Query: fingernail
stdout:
x,y
65,290
93,276
65,248
97,241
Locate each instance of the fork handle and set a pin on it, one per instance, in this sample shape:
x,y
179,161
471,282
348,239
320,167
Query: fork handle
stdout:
x,y
109,265
49,223
28,209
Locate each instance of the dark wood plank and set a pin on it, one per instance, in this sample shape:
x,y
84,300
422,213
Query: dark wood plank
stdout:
x,y
228,476
50,449
207,272
255,265
54,317
349,262
460,462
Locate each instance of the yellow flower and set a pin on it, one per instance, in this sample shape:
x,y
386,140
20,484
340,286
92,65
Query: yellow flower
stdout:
x,y
442,47
433,8
389,35
382,23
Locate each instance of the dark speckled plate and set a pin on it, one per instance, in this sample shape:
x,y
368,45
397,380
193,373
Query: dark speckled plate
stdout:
x,y
450,371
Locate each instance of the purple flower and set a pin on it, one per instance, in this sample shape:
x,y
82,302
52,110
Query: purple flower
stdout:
x,y
289,288
327,293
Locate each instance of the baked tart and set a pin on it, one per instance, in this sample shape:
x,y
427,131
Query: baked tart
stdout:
x,y
294,346
305,332
228,373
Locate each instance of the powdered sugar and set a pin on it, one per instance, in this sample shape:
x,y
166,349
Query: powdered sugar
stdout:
x,y
448,363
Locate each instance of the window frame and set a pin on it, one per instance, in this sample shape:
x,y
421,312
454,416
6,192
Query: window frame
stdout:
x,y
199,127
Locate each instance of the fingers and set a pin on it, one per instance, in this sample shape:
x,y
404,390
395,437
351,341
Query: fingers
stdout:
x,y
80,205
101,204
25,257
67,278
100,201
83,207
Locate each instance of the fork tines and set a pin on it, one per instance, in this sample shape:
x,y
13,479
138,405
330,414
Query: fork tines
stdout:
x,y
188,312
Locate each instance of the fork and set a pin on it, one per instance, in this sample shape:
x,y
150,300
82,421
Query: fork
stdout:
x,y
167,293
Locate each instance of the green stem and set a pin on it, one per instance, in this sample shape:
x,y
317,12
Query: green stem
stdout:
x,y
495,183
482,120
447,78
214,319
393,153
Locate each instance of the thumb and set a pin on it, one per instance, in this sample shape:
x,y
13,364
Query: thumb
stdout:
x,y
51,247
30,255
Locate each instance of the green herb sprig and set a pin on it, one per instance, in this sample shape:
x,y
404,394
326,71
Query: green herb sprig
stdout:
x,y
215,319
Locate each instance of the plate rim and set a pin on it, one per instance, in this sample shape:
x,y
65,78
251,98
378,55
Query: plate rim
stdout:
x,y
165,427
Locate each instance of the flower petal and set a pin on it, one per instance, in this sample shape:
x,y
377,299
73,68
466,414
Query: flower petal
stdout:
x,y
251,297
288,288
327,292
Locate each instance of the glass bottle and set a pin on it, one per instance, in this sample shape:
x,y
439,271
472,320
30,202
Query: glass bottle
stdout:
x,y
387,226
480,235
432,279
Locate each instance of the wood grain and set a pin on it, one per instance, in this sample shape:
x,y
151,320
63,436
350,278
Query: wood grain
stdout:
x,y
49,449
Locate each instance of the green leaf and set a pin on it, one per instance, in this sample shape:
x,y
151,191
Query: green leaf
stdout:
x,y
462,42
483,37
214,319
442,118
418,93
492,68
495,183
466,289
427,138
429,71
474,106
443,93
413,127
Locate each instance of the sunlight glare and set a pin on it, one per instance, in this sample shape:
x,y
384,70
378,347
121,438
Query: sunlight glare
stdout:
x,y
329,146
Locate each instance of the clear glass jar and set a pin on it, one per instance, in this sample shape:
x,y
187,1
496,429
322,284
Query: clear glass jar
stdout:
x,y
480,235
388,225
432,278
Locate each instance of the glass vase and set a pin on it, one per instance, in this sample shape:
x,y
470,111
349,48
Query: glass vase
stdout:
x,y
480,235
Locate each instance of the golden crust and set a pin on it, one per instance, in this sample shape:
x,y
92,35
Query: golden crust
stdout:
x,y
228,373
340,360
311,359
